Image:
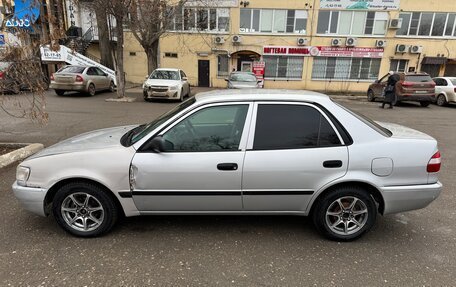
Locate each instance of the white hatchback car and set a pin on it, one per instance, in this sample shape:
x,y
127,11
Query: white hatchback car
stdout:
x,y
166,84
445,90
237,152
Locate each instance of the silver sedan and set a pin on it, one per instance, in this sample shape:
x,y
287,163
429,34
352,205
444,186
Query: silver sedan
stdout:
x,y
237,152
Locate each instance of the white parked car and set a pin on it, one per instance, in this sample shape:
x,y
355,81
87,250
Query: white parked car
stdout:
x,y
166,84
445,90
237,152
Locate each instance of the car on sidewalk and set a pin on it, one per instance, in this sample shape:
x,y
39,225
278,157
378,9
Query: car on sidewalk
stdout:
x,y
242,80
445,90
164,83
16,76
415,87
245,152
85,79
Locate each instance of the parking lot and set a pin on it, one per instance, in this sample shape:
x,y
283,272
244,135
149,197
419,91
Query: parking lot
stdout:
x,y
409,249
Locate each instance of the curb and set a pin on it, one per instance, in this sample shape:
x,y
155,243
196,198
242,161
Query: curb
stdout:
x,y
19,154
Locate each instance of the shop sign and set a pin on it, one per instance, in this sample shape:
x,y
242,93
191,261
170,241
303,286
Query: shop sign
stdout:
x,y
286,50
258,70
323,51
360,4
48,55
20,13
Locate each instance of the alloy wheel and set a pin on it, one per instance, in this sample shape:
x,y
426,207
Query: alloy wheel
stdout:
x,y
82,211
346,215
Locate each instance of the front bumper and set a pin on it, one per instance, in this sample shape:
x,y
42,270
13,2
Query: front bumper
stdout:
x,y
31,198
169,94
410,197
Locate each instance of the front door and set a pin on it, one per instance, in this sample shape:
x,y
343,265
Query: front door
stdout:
x,y
293,151
380,86
201,167
203,73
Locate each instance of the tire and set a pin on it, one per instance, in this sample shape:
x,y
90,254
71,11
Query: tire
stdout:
x,y
328,212
69,205
370,96
112,87
441,100
189,92
59,92
91,90
181,98
424,104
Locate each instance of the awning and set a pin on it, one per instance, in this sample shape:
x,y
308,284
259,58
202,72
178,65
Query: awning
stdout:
x,y
434,61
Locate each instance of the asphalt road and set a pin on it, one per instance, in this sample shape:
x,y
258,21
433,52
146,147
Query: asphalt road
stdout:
x,y
410,249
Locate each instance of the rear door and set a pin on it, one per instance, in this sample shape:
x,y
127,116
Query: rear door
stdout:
x,y
293,150
104,78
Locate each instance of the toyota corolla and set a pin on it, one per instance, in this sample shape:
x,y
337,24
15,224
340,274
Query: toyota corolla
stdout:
x,y
237,152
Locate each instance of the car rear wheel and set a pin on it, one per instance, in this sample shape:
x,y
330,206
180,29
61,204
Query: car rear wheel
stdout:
x,y
91,90
441,100
84,209
424,104
59,92
370,96
345,214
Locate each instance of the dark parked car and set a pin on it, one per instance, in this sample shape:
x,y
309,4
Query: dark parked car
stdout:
x,y
417,87
22,75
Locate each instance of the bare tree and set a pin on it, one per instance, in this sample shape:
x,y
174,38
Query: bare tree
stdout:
x,y
104,38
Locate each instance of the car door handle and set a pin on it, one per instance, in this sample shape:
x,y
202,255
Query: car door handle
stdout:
x,y
227,166
332,163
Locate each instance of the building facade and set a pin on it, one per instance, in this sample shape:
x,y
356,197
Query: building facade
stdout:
x,y
324,45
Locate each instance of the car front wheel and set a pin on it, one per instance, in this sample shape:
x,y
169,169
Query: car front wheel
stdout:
x,y
345,214
84,209
370,96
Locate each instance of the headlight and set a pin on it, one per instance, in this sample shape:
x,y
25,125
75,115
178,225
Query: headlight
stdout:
x,y
174,88
22,175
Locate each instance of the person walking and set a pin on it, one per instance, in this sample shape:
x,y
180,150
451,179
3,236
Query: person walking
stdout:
x,y
390,90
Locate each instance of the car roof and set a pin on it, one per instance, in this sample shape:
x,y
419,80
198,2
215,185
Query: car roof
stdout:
x,y
448,78
260,95
167,69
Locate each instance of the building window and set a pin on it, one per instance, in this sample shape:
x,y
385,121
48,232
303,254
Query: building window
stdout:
x,y
427,24
352,23
200,19
222,65
345,68
171,55
398,65
273,21
132,53
283,67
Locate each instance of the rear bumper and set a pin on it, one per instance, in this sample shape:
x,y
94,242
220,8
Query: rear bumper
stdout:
x,y
410,197
416,98
31,198
68,87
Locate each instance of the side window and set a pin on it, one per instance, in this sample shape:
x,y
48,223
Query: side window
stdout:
x,y
216,128
100,72
91,71
443,82
182,75
292,127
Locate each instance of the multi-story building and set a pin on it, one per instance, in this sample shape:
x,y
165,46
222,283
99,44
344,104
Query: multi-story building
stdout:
x,y
326,45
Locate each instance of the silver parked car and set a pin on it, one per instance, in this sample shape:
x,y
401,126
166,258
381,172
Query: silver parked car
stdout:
x,y
237,152
445,90
166,84
242,80
81,79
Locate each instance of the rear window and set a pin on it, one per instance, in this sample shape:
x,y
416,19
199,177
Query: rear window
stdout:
x,y
453,81
72,69
418,78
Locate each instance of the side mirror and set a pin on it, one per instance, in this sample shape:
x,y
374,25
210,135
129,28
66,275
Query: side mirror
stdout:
x,y
147,77
157,144
184,79
227,80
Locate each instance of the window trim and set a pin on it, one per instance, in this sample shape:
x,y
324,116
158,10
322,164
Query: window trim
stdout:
x,y
245,132
272,32
195,13
350,34
453,33
251,136
351,63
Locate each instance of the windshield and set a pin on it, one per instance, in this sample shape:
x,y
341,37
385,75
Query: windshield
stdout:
x,y
137,133
238,77
418,78
164,75
72,69
383,131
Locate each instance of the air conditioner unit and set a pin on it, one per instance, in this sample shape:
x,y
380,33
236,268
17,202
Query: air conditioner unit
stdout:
x,y
415,49
302,41
380,43
401,48
351,42
219,40
336,42
237,39
395,23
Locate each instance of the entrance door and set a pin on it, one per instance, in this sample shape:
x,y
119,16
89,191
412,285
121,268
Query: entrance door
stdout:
x,y
203,73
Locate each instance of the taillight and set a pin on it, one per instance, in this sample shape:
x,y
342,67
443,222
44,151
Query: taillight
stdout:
x,y
79,78
432,84
2,73
52,77
434,163
407,84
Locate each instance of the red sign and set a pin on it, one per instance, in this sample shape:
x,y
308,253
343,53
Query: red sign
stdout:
x,y
324,51
258,70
